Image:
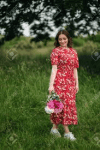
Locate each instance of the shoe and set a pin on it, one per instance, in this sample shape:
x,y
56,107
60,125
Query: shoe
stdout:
x,y
70,136
55,132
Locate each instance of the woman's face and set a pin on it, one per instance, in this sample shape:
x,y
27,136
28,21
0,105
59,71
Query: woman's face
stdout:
x,y
63,40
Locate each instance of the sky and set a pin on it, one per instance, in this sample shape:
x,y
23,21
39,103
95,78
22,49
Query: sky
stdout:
x,y
26,33
26,27
53,34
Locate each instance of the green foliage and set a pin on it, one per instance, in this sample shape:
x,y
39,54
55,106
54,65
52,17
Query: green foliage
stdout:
x,y
95,38
78,42
24,82
24,45
55,14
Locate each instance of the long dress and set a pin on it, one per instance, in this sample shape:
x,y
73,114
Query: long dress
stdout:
x,y
64,84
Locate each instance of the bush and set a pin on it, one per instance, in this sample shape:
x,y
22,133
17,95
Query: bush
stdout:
x,y
23,45
78,42
89,47
94,38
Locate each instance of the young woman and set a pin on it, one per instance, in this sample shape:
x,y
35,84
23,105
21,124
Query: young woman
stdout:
x,y
64,81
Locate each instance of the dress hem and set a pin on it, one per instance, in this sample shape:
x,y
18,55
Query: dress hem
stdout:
x,y
65,124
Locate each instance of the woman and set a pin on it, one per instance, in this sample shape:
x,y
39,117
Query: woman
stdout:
x,y
64,81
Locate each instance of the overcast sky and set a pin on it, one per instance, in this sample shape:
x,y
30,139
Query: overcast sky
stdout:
x,y
26,27
53,34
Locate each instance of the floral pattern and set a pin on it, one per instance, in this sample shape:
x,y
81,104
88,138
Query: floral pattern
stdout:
x,y
64,84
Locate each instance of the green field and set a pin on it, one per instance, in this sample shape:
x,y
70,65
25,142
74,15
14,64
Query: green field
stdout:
x,y
25,70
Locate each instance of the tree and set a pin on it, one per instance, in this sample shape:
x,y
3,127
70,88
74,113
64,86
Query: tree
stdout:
x,y
15,12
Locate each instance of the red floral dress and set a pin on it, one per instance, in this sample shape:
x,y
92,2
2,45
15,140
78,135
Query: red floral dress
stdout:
x,y
64,84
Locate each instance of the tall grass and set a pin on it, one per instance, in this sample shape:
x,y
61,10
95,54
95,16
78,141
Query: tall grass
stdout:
x,y
24,125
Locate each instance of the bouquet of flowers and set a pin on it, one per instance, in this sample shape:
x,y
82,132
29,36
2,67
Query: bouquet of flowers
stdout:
x,y
54,104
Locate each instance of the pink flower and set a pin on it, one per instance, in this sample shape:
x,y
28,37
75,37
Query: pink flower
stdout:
x,y
56,105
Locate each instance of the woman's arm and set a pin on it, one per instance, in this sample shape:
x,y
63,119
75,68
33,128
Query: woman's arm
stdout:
x,y
53,75
76,75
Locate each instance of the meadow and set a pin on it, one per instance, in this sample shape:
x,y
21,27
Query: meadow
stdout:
x,y
25,70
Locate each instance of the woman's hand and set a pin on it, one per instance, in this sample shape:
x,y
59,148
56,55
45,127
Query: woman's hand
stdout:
x,y
51,88
77,88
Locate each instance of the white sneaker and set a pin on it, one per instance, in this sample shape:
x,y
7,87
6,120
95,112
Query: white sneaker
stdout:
x,y
55,132
70,136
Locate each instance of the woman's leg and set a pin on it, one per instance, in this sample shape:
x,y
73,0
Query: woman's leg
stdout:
x,y
55,126
66,128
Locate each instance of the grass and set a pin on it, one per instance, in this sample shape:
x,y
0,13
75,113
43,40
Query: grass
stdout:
x,y
24,125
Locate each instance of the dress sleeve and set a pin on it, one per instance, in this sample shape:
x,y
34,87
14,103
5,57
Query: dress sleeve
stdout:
x,y
54,57
76,64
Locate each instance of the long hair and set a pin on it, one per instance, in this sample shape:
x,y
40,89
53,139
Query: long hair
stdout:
x,y
65,32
